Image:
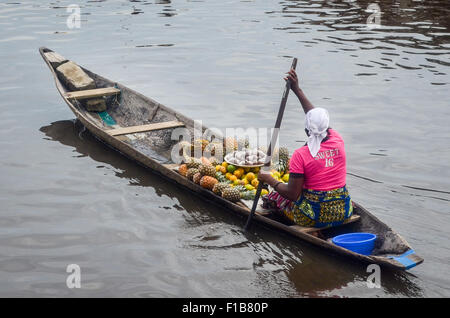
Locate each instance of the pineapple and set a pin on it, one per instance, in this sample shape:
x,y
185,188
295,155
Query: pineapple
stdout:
x,y
282,165
207,170
205,161
214,161
196,178
283,154
240,188
230,144
200,143
283,159
247,195
193,162
208,182
221,177
182,169
231,194
220,187
198,146
191,172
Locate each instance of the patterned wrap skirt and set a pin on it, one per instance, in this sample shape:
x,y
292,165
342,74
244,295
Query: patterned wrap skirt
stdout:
x,y
313,208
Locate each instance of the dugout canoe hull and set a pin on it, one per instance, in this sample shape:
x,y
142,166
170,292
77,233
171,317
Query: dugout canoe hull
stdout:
x,y
152,150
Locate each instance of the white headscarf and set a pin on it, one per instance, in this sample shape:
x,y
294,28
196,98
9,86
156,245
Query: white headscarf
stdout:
x,y
316,123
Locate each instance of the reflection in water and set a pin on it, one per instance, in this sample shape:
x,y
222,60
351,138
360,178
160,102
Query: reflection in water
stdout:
x,y
73,133
329,278
312,272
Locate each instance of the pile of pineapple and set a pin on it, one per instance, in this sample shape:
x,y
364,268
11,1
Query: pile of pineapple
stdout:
x,y
243,179
231,182
280,168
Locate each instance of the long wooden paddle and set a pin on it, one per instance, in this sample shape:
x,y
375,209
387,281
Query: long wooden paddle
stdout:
x,y
272,143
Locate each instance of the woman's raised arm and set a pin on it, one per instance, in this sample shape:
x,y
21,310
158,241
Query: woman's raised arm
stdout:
x,y
306,104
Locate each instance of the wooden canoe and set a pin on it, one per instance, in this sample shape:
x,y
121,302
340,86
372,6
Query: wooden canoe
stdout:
x,y
140,128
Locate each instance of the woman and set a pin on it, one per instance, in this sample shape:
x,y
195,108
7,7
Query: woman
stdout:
x,y
316,194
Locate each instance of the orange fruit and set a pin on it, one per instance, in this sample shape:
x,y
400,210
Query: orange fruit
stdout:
x,y
250,176
238,173
255,183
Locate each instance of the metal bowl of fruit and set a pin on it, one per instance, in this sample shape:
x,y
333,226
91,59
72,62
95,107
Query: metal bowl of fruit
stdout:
x,y
246,158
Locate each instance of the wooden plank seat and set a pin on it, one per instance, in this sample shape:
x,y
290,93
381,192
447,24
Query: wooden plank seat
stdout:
x,y
91,93
144,128
303,229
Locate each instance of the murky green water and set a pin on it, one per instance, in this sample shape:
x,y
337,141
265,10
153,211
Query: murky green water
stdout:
x,y
65,198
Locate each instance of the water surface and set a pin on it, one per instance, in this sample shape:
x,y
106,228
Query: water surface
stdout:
x,y
66,198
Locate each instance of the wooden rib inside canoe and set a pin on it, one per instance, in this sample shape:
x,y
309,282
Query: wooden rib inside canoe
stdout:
x,y
153,150
353,218
171,166
144,128
91,93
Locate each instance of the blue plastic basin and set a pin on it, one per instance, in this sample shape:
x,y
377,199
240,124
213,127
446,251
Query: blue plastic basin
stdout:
x,y
362,243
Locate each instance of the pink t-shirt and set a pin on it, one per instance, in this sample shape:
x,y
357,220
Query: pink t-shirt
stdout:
x,y
327,170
